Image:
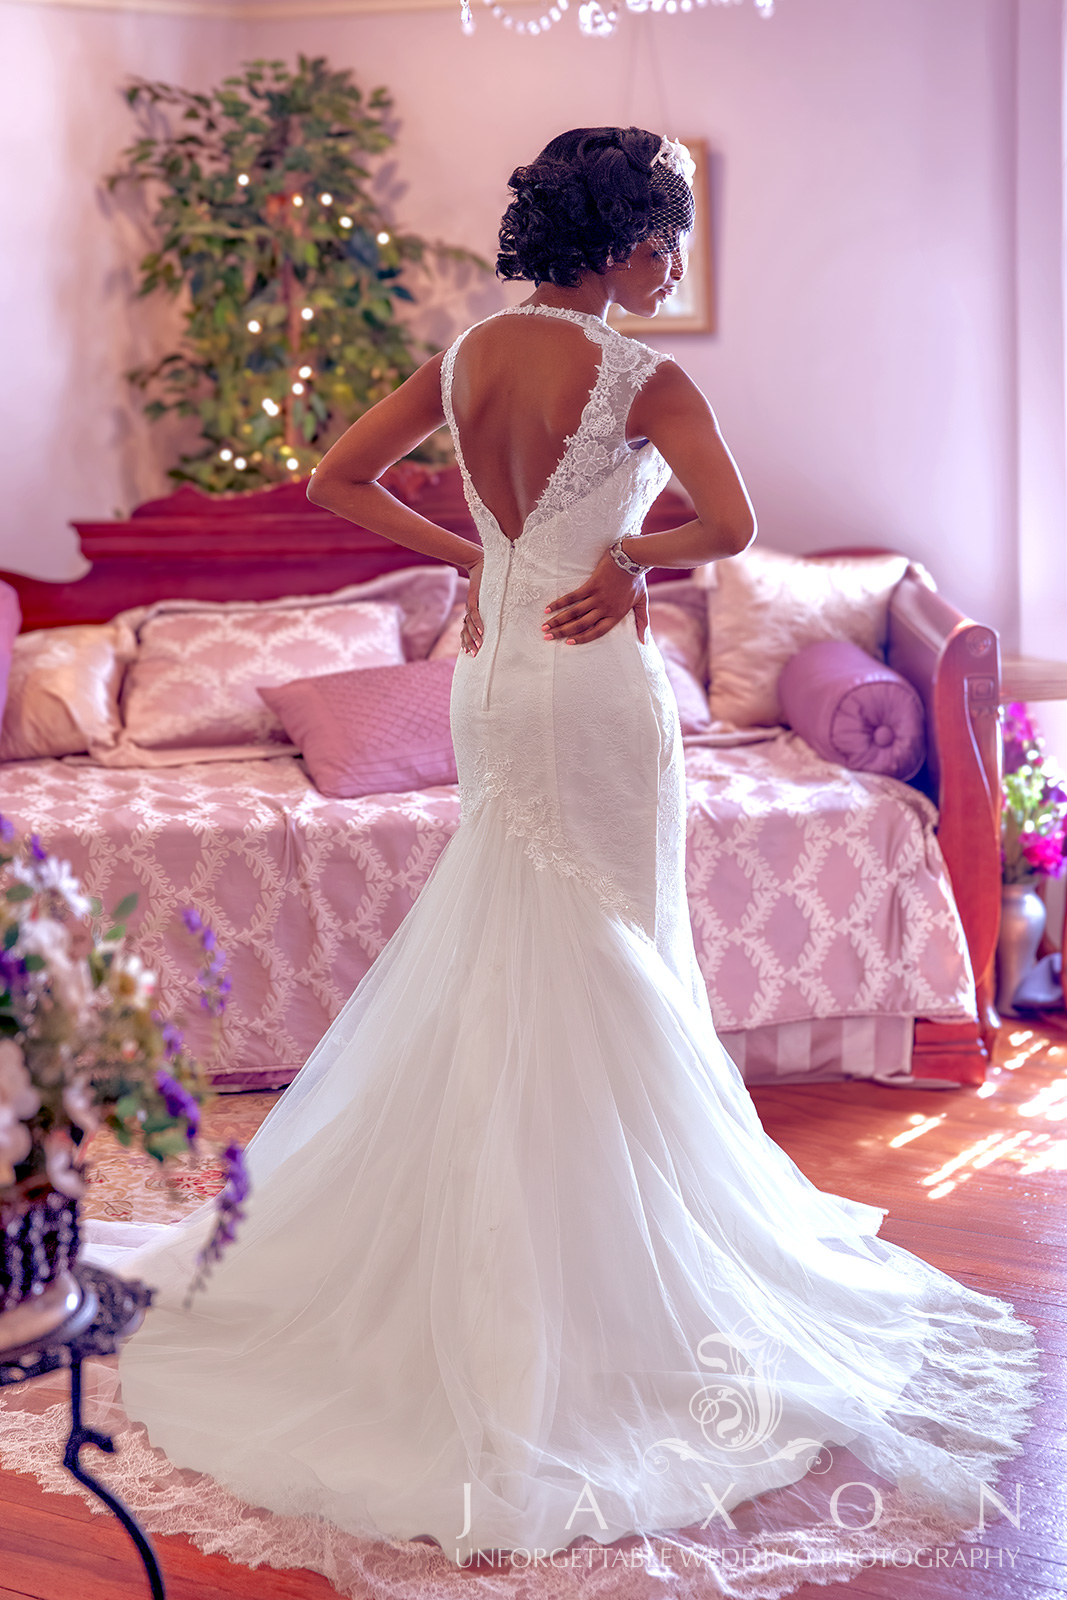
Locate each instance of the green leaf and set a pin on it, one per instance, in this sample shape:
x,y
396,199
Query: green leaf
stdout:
x,y
17,892
34,963
113,935
11,935
124,907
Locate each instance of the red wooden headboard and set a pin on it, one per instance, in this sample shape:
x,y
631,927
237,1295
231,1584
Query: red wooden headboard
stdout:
x,y
256,546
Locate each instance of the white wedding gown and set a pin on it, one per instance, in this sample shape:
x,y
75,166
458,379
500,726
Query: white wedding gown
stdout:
x,y
521,1266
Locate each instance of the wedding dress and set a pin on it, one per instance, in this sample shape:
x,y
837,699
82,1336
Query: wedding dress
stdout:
x,y
521,1267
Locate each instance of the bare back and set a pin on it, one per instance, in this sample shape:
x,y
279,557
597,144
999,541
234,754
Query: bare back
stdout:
x,y
519,389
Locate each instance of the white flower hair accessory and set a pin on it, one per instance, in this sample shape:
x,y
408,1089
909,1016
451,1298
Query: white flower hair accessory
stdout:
x,y
673,155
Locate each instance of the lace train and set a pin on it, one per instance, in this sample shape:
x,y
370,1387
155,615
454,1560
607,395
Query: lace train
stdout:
x,y
771,1552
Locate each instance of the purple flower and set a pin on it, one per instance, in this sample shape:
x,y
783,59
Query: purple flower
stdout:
x,y
229,1206
37,848
172,1040
7,830
192,920
179,1103
12,971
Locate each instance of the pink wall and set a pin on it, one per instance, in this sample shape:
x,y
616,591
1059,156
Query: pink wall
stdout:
x,y
865,366
72,442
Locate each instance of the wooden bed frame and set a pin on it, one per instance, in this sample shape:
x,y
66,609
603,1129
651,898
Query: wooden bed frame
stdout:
x,y
273,542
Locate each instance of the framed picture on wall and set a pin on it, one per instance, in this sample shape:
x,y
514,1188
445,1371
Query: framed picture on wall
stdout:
x,y
691,308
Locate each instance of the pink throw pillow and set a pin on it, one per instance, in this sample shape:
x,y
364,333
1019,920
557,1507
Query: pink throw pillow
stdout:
x,y
10,623
197,672
683,644
378,730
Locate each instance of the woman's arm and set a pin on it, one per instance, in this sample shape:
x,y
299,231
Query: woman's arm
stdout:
x,y
671,411
345,479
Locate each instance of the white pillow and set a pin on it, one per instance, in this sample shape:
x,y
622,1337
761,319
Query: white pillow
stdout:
x,y
196,674
63,691
764,606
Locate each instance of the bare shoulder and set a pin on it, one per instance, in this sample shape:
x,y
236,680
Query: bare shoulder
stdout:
x,y
667,395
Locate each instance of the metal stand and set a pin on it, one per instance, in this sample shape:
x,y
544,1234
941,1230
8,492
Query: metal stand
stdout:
x,y
110,1310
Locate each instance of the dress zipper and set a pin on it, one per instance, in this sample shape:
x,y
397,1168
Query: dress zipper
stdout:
x,y
499,625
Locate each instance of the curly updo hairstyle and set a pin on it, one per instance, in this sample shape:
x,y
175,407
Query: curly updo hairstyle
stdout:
x,y
587,200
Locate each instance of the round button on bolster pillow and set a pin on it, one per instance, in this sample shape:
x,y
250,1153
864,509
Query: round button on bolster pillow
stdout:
x,y
853,709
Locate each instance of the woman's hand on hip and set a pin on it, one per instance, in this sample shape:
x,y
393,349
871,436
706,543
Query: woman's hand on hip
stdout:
x,y
603,600
470,637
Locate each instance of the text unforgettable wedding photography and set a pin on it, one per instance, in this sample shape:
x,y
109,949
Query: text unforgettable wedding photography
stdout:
x,y
533,800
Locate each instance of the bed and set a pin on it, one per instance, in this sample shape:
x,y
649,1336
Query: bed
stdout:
x,y
845,922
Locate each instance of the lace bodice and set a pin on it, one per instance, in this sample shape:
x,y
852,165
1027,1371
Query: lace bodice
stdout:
x,y
597,451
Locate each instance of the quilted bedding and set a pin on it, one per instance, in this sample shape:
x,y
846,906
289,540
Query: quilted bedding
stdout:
x,y
814,892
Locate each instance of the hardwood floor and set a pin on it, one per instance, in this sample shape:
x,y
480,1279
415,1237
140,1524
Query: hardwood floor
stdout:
x,y
975,1182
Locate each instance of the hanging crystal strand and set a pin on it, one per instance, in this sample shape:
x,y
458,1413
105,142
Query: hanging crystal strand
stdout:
x,y
597,19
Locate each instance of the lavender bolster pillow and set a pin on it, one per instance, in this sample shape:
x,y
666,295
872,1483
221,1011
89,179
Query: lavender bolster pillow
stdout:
x,y
853,709
371,730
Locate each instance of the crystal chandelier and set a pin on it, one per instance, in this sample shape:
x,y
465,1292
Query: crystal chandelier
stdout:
x,y
596,18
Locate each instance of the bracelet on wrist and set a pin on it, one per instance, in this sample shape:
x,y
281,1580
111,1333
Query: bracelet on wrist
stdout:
x,y
621,559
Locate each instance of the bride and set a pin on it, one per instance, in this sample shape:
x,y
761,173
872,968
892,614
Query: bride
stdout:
x,y
521,1267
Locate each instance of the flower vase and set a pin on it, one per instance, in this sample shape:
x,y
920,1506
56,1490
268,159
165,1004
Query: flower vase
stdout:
x,y
38,1247
1022,922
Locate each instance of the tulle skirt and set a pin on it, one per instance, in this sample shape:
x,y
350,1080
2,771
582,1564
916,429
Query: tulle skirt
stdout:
x,y
522,1268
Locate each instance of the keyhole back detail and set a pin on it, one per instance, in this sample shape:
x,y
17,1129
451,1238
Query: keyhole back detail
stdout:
x,y
560,447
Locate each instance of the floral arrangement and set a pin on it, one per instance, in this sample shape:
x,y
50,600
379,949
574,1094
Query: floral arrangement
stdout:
x,y
1034,819
82,1045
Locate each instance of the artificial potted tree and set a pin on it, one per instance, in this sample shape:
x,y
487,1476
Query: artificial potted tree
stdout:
x,y
293,280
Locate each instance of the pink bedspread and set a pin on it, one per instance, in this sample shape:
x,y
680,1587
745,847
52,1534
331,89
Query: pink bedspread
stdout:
x,y
814,892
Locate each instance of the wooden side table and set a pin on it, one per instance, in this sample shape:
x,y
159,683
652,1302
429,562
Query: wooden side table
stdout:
x,y
1028,678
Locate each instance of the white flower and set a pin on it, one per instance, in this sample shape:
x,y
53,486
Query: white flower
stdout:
x,y
57,876
59,1164
14,1143
16,1087
131,981
79,1105
18,1100
67,976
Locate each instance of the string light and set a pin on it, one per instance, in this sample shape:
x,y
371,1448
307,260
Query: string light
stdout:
x,y
254,326
298,388
225,455
240,463
292,463
271,407
307,313
326,199
346,222
305,372
298,199
383,237
243,179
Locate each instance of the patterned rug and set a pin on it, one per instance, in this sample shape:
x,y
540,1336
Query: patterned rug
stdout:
x,y
126,1186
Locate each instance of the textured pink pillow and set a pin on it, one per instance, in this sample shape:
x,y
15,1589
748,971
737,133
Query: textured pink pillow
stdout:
x,y
195,678
378,730
10,623
683,645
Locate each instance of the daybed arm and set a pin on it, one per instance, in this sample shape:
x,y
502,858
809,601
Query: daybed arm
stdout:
x,y
954,663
